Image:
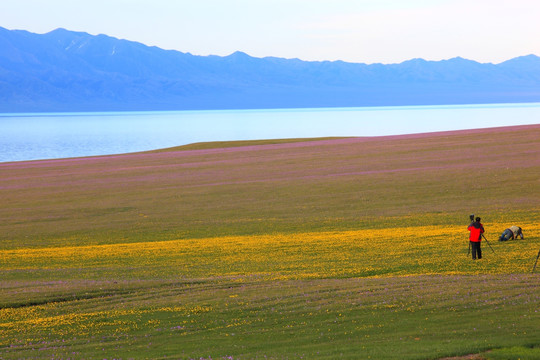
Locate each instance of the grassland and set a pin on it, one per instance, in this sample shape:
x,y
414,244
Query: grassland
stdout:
x,y
330,248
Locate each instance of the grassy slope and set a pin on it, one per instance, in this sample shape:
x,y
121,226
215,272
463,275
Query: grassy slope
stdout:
x,y
318,185
238,143
270,248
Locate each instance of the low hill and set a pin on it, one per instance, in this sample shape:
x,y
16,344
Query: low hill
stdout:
x,y
74,71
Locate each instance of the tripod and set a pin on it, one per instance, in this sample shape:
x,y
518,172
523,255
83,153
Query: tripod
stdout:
x,y
536,262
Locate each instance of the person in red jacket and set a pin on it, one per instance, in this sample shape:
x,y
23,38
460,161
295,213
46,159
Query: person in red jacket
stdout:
x,y
476,229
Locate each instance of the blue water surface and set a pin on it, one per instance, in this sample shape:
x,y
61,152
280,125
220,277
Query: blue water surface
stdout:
x,y
60,135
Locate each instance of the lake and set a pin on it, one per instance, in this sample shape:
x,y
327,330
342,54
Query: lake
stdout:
x,y
60,135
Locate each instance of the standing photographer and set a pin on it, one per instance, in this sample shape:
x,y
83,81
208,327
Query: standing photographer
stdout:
x,y
476,229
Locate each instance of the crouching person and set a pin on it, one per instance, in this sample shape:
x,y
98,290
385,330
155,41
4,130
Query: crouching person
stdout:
x,y
511,233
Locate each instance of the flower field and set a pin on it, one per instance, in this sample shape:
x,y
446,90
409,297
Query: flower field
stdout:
x,y
363,253
319,293
337,248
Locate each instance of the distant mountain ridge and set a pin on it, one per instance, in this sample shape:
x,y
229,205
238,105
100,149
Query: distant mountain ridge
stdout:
x,y
74,71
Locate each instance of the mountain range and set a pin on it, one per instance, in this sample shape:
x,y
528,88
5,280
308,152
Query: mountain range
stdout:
x,y
74,71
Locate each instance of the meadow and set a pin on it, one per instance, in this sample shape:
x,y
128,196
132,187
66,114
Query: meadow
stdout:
x,y
351,248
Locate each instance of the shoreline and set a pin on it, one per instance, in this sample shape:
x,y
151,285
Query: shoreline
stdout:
x,y
213,146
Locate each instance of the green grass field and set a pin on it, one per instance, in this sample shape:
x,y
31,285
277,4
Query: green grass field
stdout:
x,y
328,248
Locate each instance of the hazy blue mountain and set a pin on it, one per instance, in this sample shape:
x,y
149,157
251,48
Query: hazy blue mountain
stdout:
x,y
74,71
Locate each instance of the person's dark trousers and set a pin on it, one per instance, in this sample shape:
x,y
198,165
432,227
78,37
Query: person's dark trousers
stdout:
x,y
476,251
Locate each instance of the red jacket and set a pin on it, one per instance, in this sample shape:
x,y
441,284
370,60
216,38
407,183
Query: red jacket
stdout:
x,y
476,230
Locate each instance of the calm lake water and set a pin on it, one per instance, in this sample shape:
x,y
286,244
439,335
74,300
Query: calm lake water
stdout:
x,y
60,135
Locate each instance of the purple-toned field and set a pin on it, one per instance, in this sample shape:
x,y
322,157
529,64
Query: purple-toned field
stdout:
x,y
285,187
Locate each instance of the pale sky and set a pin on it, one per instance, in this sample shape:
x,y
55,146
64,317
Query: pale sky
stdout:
x,y
365,31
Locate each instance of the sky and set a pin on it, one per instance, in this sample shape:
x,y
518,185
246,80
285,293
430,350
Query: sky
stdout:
x,y
362,31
